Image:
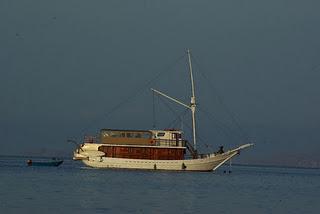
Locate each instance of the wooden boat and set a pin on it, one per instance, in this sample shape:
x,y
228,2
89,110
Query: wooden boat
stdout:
x,y
53,162
152,149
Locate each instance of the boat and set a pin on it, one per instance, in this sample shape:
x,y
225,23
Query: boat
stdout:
x,y
152,149
53,162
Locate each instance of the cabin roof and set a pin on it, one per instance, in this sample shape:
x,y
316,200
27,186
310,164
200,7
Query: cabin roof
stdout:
x,y
167,130
125,130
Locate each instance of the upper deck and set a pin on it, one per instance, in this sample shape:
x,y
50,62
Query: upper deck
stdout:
x,y
168,138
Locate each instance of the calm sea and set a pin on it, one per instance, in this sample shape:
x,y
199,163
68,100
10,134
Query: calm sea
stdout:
x,y
74,188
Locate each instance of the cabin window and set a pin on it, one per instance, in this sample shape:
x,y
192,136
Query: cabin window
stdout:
x,y
161,134
138,135
146,135
110,134
125,134
114,134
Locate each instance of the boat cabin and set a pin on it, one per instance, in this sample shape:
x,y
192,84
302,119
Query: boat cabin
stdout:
x,y
126,137
142,144
168,137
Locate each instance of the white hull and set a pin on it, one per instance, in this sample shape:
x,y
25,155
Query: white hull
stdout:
x,y
208,163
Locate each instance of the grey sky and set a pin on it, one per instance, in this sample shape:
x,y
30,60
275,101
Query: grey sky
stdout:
x,y
63,64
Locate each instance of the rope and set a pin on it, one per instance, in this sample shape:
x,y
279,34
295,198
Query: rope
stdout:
x,y
171,124
133,95
223,128
153,111
231,114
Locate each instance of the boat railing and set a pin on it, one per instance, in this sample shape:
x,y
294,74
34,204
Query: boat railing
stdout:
x,y
154,142
90,139
198,156
169,143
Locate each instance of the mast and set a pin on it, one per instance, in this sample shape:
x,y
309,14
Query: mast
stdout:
x,y
192,103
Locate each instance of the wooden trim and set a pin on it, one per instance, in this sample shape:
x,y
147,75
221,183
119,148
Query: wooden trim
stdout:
x,y
151,153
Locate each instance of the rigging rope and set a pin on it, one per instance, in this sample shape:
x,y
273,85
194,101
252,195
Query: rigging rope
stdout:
x,y
200,140
133,95
153,111
223,128
167,105
179,118
221,101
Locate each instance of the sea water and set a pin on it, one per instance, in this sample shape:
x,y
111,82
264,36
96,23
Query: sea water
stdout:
x,y
74,188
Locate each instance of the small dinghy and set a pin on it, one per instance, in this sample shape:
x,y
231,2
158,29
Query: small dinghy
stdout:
x,y
53,162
